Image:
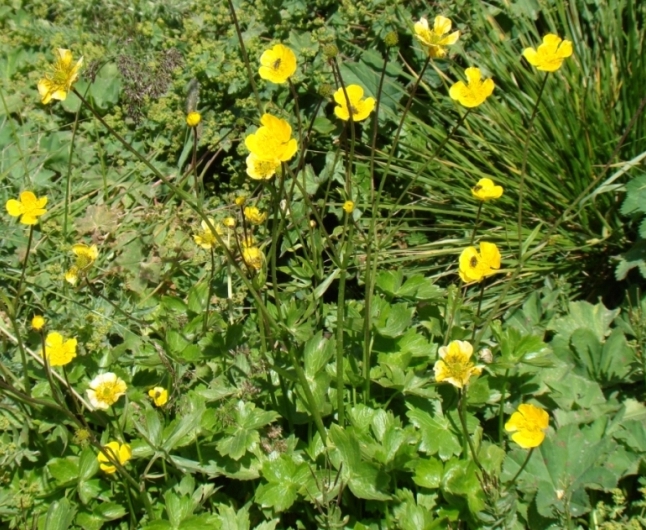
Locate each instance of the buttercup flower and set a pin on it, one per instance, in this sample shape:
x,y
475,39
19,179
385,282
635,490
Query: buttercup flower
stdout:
x,y
240,200
159,395
59,351
486,190
454,365
277,64
475,266
119,452
28,207
85,258
528,425
229,222
254,215
105,390
348,207
272,141
550,55
259,169
37,323
253,257
58,82
193,119
435,40
206,238
360,108
475,91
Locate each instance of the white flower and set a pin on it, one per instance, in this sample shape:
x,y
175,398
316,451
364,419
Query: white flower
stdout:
x,y
105,390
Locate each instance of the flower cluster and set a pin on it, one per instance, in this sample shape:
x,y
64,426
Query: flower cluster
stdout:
x,y
85,258
270,145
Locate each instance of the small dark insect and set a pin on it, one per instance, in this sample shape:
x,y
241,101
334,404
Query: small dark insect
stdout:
x,y
276,64
474,261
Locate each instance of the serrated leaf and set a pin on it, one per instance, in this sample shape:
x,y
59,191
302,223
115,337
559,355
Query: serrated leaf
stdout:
x,y
437,434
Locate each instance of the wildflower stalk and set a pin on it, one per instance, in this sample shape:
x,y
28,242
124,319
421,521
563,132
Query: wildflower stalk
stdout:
x,y
188,201
24,270
475,320
369,274
522,468
340,318
475,225
68,178
23,353
501,407
462,403
292,88
245,57
198,194
523,170
210,292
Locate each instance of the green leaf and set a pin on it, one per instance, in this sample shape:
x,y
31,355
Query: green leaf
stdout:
x,y
596,318
177,508
461,479
64,470
285,478
244,433
88,464
153,427
60,515
438,436
110,511
89,490
428,473
395,320
635,200
317,353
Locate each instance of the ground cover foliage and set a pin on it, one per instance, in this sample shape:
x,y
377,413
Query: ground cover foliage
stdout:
x,y
363,335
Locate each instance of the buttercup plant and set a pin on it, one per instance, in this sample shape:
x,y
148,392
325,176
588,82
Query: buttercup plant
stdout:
x,y
278,281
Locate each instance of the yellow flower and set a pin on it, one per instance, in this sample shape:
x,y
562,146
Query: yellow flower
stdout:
x,y
193,119
58,82
486,190
240,200
85,258
454,365
253,257
159,395
105,390
348,207
277,64
59,351
361,108
119,452
229,222
528,425
475,266
259,169
550,55
434,40
37,323
475,91
254,215
272,141
29,207
206,238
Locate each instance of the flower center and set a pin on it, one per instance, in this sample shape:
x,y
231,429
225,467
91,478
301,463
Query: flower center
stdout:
x,y
105,392
276,64
473,262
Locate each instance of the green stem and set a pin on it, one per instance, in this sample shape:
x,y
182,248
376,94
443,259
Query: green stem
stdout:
x,y
475,225
23,355
340,319
501,408
245,57
475,320
462,415
523,169
198,194
23,272
210,292
68,178
513,480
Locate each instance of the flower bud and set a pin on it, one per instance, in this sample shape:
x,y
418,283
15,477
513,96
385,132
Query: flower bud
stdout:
x,y
193,119
391,39
330,51
326,90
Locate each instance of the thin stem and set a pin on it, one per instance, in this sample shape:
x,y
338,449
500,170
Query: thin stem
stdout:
x,y
245,57
523,169
501,408
68,178
298,111
23,354
461,413
475,320
475,225
198,195
210,292
22,273
511,482
340,319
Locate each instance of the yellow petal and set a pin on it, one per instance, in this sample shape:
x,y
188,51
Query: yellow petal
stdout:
x,y
450,39
490,254
531,56
565,49
473,75
14,207
441,25
457,91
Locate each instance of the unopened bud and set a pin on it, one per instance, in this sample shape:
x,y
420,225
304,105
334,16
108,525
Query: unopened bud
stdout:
x,y
326,90
391,39
330,51
485,355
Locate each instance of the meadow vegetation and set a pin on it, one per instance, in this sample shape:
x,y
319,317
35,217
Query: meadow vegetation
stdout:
x,y
302,264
